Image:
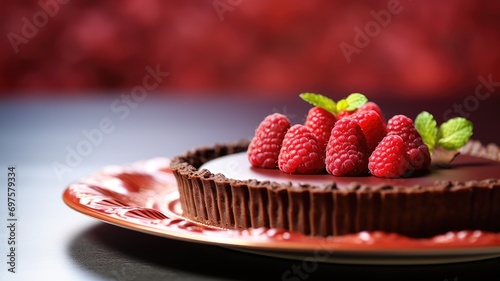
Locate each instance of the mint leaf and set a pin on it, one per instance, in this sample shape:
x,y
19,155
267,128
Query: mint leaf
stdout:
x,y
321,101
454,133
355,101
342,105
352,102
426,125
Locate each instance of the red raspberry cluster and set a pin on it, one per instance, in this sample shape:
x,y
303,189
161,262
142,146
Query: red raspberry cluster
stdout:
x,y
350,143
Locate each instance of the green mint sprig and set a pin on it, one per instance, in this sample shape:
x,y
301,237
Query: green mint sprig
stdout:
x,y
426,125
454,133
351,103
451,135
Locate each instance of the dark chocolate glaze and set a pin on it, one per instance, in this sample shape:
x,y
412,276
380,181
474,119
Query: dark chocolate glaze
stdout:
x,y
463,168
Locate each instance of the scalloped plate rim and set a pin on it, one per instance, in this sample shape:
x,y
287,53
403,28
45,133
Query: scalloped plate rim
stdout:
x,y
290,249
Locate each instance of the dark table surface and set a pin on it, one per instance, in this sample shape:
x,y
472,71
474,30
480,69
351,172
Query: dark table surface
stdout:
x,y
56,243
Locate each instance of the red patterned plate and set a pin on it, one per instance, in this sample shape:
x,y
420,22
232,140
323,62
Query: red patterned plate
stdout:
x,y
143,196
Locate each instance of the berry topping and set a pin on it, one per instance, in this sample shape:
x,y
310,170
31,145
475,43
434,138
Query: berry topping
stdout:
x,y
418,153
372,126
265,146
347,150
320,122
300,152
389,159
351,137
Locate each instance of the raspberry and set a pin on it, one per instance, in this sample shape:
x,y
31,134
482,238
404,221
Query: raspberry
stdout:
x,y
372,106
372,126
347,150
365,107
320,122
419,157
300,152
418,153
265,146
345,113
389,159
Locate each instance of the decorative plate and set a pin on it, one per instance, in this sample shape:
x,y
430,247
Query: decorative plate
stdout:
x,y
143,197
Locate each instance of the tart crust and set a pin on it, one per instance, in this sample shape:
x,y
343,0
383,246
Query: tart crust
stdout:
x,y
326,210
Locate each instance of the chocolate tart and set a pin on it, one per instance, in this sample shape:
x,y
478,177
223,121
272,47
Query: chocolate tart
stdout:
x,y
465,196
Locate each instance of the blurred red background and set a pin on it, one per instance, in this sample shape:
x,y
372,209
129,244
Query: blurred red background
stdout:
x,y
414,49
